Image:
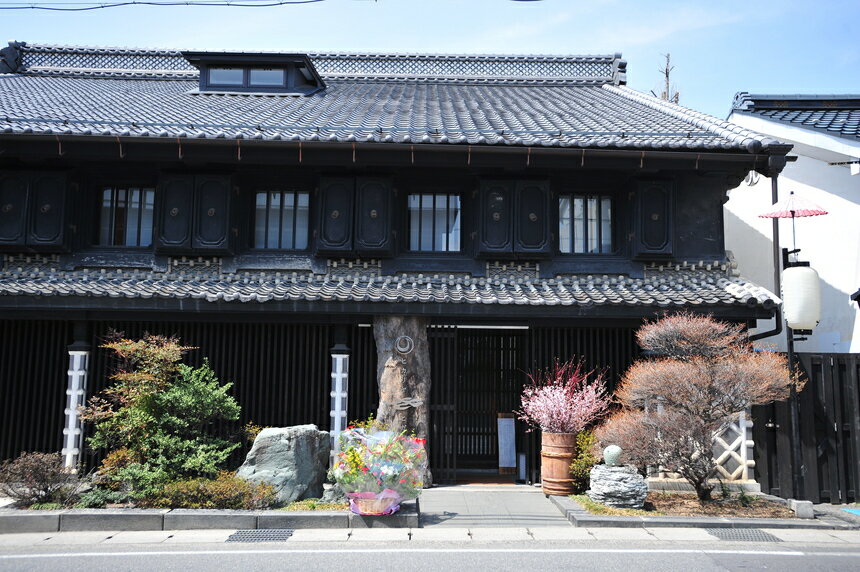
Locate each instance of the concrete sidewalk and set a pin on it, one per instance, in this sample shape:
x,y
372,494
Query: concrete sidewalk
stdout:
x,y
431,535
497,506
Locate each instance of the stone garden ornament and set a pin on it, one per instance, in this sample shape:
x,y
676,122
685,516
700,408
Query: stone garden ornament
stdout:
x,y
615,485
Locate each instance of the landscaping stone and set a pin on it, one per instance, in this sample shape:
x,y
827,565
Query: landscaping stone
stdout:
x,y
802,509
617,486
334,495
292,459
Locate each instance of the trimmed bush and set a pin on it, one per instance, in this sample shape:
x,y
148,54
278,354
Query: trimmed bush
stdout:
x,y
158,420
580,468
38,479
226,491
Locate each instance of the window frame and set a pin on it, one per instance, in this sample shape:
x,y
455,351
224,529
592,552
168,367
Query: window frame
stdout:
x,y
444,190
246,84
252,218
615,221
98,188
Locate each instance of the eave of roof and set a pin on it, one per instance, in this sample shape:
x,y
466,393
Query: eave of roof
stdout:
x,y
661,287
836,116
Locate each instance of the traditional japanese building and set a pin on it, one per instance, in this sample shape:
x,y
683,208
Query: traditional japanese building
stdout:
x,y
268,207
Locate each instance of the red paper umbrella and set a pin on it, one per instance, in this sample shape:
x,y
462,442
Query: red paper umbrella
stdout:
x,y
794,207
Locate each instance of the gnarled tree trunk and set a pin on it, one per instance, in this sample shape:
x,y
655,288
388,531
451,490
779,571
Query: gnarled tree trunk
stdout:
x,y
403,375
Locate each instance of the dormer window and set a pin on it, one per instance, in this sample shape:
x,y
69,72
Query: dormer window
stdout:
x,y
226,76
279,74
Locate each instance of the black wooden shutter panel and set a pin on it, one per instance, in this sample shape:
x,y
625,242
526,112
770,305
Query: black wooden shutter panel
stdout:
x,y
13,208
47,207
653,222
494,218
532,219
373,220
174,222
211,212
335,215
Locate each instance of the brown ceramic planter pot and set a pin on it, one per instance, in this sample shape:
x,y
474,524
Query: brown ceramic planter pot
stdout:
x,y
557,452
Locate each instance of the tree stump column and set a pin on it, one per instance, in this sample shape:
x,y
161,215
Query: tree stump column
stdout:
x,y
403,374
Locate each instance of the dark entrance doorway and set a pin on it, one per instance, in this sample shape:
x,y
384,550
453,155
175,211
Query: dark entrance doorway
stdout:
x,y
477,374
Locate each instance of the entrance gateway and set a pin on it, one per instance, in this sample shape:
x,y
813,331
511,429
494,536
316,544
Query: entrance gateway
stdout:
x,y
478,373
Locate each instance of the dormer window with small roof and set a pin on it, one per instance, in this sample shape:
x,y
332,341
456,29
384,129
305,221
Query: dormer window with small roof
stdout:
x,y
260,73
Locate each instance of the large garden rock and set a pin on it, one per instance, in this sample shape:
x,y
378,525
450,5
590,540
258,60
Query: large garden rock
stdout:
x,y
292,459
617,486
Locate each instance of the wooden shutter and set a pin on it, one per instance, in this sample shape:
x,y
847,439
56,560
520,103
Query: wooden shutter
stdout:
x,y
532,219
13,208
176,195
335,216
373,216
211,213
653,222
47,208
494,218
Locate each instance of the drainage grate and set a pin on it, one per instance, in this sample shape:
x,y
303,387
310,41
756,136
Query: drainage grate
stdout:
x,y
743,534
261,535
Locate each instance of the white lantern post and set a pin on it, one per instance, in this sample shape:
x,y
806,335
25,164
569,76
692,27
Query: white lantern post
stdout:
x,y
339,393
801,301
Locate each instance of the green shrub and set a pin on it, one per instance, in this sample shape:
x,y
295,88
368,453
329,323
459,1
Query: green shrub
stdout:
x,y
226,491
99,497
38,478
580,468
157,420
46,506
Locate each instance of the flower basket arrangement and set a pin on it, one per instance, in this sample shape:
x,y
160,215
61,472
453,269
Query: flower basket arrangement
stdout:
x,y
379,469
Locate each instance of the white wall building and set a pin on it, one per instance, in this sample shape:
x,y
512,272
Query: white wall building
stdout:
x,y
825,132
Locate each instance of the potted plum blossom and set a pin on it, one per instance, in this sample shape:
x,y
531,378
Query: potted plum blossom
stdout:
x,y
562,401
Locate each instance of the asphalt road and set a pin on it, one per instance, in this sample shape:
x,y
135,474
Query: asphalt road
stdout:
x,y
605,555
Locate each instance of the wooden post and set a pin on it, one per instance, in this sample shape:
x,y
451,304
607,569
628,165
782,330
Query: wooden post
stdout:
x,y
403,375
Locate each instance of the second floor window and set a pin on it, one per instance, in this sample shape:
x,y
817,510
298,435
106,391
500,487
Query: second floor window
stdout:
x,y
281,220
126,216
585,224
434,223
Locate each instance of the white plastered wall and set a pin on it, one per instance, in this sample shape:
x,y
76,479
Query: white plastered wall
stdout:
x,y
830,243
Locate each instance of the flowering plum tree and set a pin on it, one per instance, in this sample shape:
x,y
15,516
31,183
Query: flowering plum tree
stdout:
x,y
561,399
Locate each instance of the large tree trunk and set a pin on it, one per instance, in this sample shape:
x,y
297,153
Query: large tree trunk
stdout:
x,y
403,375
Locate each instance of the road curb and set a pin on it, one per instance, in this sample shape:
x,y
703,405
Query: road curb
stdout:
x,y
579,517
121,519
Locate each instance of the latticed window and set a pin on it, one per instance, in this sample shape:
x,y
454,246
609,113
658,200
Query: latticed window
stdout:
x,y
585,224
434,222
281,220
126,216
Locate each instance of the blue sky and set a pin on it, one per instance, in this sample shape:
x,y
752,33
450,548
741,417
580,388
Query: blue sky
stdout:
x,y
718,47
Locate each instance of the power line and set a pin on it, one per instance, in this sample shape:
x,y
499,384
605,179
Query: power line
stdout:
x,y
86,6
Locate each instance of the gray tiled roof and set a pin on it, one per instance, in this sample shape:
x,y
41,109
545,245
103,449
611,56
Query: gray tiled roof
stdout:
x,y
553,101
670,287
836,115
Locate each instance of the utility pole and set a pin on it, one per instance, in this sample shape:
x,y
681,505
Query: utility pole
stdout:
x,y
668,93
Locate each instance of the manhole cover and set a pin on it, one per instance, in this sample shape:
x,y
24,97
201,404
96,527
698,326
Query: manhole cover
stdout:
x,y
263,535
743,534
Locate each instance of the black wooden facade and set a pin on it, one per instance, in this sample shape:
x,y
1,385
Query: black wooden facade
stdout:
x,y
265,251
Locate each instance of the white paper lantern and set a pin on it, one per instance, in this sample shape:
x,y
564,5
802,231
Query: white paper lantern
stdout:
x,y
801,297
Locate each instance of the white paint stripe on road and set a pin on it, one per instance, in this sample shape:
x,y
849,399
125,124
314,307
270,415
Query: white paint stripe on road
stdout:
x,y
426,550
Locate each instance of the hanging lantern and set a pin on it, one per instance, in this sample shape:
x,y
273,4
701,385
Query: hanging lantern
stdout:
x,y
801,297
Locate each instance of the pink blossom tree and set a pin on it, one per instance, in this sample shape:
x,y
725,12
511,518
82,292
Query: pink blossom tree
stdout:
x,y
562,399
